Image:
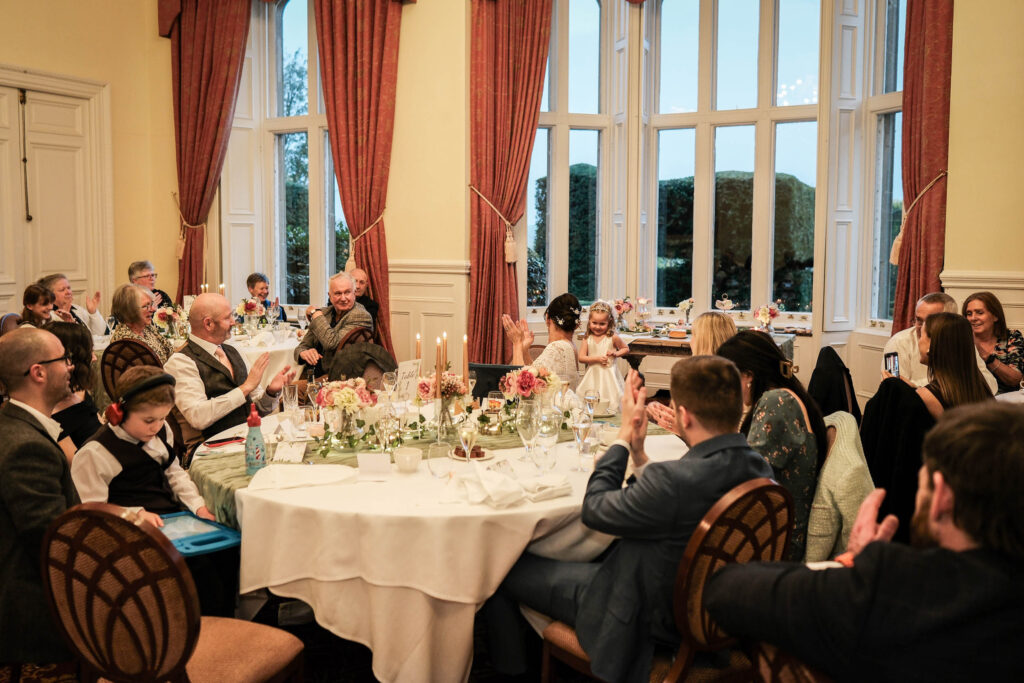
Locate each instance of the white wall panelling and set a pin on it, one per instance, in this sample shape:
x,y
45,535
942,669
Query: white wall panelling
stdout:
x,y
1008,286
428,297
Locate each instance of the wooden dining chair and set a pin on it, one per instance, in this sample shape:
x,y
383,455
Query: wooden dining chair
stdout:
x,y
752,522
8,322
126,604
121,355
775,666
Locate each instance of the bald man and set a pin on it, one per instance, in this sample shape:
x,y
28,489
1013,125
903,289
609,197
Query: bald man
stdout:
x,y
215,385
35,488
362,282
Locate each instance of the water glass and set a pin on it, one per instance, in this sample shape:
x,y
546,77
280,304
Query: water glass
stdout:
x,y
438,461
548,429
290,397
389,382
592,398
581,424
527,424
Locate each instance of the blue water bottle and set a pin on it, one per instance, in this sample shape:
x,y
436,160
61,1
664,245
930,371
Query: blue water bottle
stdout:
x,y
255,450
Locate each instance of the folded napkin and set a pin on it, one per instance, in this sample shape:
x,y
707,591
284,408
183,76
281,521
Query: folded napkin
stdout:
x,y
569,398
292,476
264,338
546,486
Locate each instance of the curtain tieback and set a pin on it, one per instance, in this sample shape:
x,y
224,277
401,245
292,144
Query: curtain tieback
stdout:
x,y
510,239
350,264
185,225
894,253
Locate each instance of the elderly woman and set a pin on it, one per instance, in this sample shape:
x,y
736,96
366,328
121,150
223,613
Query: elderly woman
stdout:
x,y
37,302
66,310
1001,348
562,317
143,274
133,307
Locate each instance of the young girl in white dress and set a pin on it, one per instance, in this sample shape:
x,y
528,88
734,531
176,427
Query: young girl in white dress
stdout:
x,y
598,352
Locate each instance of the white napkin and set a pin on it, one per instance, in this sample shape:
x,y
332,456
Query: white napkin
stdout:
x,y
264,338
546,486
568,399
489,486
291,476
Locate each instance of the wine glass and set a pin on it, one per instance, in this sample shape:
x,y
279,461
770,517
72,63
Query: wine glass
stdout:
x,y
548,428
527,417
467,436
581,424
592,398
389,382
312,389
438,462
471,381
111,323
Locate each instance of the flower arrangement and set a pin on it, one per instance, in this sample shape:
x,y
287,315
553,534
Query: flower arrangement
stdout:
x,y
685,305
768,312
452,386
349,396
168,319
527,382
623,305
249,307
725,303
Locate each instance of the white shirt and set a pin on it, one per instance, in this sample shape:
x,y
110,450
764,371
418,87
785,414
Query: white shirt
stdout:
x,y
190,392
560,358
94,467
904,343
51,426
94,321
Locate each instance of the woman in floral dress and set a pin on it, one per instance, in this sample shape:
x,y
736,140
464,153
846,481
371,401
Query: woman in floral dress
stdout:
x,y
784,424
1001,348
133,307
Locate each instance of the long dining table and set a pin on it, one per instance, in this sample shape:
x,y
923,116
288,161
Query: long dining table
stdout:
x,y
400,565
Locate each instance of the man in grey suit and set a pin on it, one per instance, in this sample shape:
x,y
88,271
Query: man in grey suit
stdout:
x,y
328,326
35,487
622,606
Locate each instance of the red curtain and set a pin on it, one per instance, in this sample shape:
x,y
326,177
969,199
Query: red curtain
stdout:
x,y
507,59
927,60
359,67
207,50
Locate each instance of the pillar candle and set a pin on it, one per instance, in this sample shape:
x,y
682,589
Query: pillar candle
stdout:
x,y
465,359
437,371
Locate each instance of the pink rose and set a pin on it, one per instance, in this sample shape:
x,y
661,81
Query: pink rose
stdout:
x,y
526,383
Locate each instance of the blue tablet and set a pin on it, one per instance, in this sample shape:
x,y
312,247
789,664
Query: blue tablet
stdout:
x,y
193,536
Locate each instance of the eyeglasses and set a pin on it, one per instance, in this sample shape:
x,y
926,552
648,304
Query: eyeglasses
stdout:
x,y
145,275
66,358
148,307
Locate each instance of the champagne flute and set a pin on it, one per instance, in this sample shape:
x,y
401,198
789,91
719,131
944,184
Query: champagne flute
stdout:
x,y
467,436
389,382
581,424
438,462
526,424
472,383
312,389
548,429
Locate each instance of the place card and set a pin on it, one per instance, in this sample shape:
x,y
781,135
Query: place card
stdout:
x,y
374,466
408,375
289,451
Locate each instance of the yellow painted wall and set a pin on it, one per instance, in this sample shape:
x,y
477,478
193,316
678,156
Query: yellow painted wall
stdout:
x,y
114,42
984,217
426,212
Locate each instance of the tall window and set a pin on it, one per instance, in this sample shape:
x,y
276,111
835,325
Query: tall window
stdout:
x,y
884,107
740,131
566,186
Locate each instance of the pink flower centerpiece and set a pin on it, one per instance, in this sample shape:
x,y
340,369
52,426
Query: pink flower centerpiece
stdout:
x,y
528,382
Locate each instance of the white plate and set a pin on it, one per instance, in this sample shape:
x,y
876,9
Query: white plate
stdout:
x,y
488,455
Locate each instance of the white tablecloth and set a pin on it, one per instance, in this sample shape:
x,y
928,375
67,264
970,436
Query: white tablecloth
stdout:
x,y
388,565
1012,397
281,354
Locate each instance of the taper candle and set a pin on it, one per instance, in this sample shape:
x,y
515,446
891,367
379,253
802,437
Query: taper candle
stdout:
x,y
419,351
465,359
444,350
437,371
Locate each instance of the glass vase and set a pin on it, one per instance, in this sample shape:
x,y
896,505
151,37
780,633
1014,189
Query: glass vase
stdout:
x,y
443,417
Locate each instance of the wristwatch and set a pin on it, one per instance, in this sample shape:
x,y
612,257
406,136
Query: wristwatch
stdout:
x,y
990,359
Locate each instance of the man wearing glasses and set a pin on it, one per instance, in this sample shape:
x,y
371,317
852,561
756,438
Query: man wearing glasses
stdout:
x,y
35,487
143,273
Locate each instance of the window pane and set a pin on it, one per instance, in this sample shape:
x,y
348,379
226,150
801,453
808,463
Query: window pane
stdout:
x,y
796,146
736,54
544,101
734,196
537,223
583,182
292,60
895,34
680,27
676,155
293,214
337,231
888,211
584,56
797,75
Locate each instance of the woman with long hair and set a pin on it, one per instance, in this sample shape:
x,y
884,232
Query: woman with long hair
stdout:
x,y
37,304
77,414
1001,348
562,317
947,348
784,424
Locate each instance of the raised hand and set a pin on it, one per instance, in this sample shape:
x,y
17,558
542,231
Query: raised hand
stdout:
x,y
867,528
92,303
663,416
284,376
256,374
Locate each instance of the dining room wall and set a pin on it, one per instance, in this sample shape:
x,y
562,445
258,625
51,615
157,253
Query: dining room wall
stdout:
x,y
113,42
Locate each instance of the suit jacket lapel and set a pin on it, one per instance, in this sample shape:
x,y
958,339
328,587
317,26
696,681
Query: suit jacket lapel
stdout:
x,y
19,413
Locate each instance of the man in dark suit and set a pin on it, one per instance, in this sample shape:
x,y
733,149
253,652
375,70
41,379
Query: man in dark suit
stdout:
x,y
35,487
954,612
215,386
622,605
363,298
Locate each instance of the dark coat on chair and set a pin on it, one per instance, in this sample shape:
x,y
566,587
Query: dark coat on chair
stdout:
x,y
895,422
35,487
831,386
627,607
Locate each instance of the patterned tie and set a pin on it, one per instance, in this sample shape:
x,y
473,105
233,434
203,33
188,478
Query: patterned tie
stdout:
x,y
223,358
